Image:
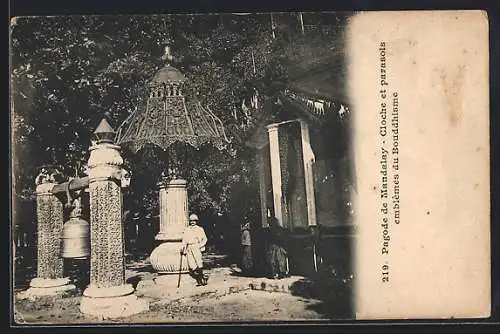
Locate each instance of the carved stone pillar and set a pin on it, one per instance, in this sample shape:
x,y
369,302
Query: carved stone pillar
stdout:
x,y
107,296
173,220
49,278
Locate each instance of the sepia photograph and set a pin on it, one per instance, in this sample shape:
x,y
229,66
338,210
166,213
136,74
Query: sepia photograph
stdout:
x,y
251,168
188,168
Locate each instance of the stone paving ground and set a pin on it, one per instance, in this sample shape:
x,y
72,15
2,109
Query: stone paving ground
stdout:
x,y
227,297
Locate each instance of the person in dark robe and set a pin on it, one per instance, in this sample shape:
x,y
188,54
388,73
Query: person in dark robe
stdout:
x,y
276,252
246,248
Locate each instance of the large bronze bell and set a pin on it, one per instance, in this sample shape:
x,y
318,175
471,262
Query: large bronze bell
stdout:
x,y
75,235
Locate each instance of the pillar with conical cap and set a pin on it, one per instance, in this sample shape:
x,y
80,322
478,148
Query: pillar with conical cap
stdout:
x,y
107,296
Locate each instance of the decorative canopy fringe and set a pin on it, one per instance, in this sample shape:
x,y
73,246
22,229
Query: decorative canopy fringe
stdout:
x,y
166,117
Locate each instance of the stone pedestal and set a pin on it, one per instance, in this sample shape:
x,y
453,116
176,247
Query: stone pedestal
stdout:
x,y
112,302
107,296
46,287
49,280
166,258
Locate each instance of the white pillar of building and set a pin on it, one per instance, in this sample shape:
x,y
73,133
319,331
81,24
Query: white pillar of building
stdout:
x,y
272,131
263,188
308,158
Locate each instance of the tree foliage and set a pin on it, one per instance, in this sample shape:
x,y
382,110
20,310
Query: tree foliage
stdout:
x,y
69,72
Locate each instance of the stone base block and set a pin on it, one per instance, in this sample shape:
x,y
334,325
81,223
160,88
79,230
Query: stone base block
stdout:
x,y
113,307
165,287
46,287
48,282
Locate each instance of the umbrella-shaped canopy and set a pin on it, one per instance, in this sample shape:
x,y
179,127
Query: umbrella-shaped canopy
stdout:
x,y
167,117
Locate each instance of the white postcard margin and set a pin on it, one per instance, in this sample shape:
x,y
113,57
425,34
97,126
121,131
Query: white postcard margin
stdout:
x,y
419,87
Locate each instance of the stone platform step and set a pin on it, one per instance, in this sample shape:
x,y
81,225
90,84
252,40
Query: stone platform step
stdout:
x,y
219,284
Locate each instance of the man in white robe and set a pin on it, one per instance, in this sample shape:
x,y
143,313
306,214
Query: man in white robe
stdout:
x,y
194,240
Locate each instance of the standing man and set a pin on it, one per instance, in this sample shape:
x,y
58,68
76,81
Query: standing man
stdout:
x,y
246,245
194,240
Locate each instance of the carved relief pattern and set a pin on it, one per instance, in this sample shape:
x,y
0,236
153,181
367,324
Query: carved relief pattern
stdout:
x,y
169,119
177,120
107,258
155,117
50,224
285,174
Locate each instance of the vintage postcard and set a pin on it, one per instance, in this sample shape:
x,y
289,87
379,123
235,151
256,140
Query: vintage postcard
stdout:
x,y
288,166
422,162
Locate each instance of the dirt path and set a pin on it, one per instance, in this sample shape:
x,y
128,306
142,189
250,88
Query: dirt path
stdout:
x,y
250,305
